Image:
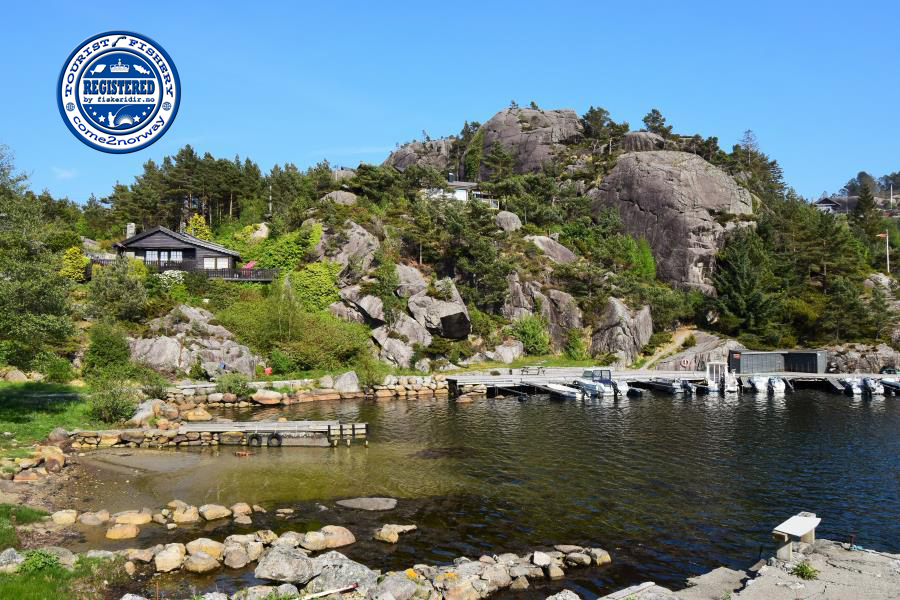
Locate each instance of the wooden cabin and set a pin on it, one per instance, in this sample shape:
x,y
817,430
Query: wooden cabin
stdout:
x,y
162,249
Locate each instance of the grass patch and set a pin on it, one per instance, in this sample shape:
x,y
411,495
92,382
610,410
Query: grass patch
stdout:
x,y
12,515
30,411
804,571
86,582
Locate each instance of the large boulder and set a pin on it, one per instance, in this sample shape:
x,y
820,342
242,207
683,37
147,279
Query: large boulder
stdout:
x,y
681,204
411,281
340,197
552,249
508,221
558,308
646,141
396,340
622,332
336,571
507,352
370,307
446,316
184,337
347,383
284,563
708,348
533,137
347,313
431,153
352,247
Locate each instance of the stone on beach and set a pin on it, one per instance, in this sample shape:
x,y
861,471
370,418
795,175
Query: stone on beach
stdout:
x,y
235,555
337,536
241,508
134,517
206,545
201,562
336,571
94,519
187,514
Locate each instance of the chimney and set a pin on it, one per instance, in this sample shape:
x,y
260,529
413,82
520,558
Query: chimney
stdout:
x,y
130,230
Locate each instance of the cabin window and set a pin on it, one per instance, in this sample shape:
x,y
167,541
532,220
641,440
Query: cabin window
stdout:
x,y
222,263
151,256
209,263
175,256
164,256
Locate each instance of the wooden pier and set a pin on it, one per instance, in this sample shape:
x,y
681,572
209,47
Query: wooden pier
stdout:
x,y
282,433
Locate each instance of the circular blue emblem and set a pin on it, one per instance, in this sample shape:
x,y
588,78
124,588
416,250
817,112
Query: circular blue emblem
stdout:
x,y
118,91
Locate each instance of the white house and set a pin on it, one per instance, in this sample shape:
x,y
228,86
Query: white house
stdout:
x,y
462,191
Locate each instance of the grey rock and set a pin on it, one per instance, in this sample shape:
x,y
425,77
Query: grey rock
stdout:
x,y
621,332
283,563
214,596
347,313
397,585
369,503
646,141
347,383
859,358
103,554
448,317
709,348
397,339
10,557
370,307
132,597
353,248
185,337
411,281
337,571
260,232
508,221
256,592
340,197
533,137
343,173
507,352
432,153
65,557
552,249
558,308
541,559
673,200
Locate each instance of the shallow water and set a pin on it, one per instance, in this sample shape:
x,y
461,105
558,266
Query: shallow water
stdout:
x,y
672,487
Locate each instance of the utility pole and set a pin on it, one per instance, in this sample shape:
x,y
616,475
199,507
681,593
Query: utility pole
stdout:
x,y
887,249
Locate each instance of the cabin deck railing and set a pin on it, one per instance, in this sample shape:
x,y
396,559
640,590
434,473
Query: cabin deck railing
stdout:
x,y
192,266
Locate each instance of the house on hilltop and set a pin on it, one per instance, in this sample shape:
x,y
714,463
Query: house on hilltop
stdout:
x,y
461,191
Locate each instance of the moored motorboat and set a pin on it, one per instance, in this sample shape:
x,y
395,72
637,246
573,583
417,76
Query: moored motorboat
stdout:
x,y
596,382
776,386
852,386
564,391
872,386
759,384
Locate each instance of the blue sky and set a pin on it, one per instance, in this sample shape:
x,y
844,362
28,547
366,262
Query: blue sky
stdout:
x,y
294,82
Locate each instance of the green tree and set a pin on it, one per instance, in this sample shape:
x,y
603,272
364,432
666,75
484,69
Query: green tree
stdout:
x,y
531,330
198,228
74,263
117,290
743,281
34,309
656,123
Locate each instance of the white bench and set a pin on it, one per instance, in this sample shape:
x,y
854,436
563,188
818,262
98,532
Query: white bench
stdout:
x,y
799,528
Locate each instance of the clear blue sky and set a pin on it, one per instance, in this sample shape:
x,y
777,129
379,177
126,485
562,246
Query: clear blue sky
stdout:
x,y
288,82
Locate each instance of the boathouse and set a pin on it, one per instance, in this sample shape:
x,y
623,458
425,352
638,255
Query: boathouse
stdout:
x,y
779,361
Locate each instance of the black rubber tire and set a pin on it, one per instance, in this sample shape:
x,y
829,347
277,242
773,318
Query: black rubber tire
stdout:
x,y
254,440
274,440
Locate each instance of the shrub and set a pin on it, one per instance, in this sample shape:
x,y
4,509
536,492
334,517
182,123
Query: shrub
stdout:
x,y
37,561
281,363
234,383
153,384
113,400
531,330
804,571
56,368
107,348
369,370
286,252
197,372
574,348
315,285
74,263
690,341
118,290
385,285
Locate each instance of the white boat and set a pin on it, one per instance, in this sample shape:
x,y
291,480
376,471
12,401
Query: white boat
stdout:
x,y
776,386
728,384
759,384
852,386
872,386
597,382
719,377
621,387
564,391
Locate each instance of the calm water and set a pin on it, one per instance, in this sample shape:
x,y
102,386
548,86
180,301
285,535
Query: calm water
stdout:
x,y
672,487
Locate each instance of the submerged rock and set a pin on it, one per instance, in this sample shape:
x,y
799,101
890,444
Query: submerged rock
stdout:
x,y
283,563
369,503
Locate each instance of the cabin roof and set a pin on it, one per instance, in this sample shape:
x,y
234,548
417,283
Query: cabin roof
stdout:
x,y
184,237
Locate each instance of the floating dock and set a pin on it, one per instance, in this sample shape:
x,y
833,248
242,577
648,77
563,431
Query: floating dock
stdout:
x,y
281,433
514,382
